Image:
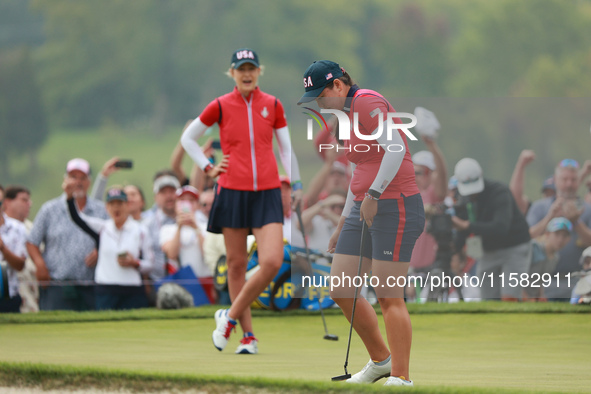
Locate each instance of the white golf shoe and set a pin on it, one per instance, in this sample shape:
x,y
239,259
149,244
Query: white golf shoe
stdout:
x,y
371,373
248,345
223,328
394,381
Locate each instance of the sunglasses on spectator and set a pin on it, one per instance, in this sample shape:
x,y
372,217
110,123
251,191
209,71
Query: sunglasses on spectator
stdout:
x,y
419,173
569,163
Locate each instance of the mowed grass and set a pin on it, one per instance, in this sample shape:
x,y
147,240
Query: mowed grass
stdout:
x,y
529,351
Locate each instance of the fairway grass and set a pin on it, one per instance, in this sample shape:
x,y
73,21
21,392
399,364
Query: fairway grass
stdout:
x,y
451,351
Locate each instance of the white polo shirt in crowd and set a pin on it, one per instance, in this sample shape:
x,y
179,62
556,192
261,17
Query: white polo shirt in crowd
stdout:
x,y
14,236
133,238
201,219
190,253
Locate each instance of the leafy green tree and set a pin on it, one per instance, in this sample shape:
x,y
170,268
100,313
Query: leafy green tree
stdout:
x,y
566,77
500,42
23,125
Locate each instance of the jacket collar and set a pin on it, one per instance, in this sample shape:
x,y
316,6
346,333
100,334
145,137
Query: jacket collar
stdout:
x,y
350,95
253,94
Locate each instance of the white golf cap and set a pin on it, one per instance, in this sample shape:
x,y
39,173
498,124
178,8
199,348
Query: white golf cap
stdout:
x,y
469,176
78,165
424,158
166,181
586,253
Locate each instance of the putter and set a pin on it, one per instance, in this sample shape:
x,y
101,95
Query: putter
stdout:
x,y
347,375
327,336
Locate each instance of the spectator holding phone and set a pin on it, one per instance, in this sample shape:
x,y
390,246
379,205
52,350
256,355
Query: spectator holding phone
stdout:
x,y
136,200
183,242
111,166
123,251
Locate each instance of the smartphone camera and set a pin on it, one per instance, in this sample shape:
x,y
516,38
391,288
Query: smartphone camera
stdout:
x,y
125,164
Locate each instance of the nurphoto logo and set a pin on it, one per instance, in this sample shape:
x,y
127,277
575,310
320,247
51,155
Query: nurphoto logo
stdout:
x,y
345,128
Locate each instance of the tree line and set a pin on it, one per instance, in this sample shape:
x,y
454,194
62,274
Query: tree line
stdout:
x,y
83,63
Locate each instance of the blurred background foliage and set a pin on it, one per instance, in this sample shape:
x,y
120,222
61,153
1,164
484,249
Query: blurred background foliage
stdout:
x,y
120,77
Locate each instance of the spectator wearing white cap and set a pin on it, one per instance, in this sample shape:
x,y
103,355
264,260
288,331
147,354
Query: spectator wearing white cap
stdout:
x,y
498,235
69,256
123,251
183,241
431,177
165,187
566,204
544,256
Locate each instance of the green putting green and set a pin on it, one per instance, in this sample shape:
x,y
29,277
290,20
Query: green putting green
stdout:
x,y
523,351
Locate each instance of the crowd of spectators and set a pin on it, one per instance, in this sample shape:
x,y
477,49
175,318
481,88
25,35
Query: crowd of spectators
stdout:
x,y
81,253
103,248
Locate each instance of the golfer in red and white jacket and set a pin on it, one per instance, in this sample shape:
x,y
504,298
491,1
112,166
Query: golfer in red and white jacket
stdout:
x,y
247,195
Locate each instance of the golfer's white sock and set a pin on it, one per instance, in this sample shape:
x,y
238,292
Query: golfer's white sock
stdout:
x,y
379,364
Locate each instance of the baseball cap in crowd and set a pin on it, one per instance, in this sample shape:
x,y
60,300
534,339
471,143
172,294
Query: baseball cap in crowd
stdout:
x,y
548,184
190,190
317,76
558,224
424,158
569,163
284,179
116,194
78,165
586,253
166,181
469,175
244,55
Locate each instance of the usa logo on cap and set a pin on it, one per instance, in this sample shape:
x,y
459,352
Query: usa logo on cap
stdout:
x,y
244,55
328,76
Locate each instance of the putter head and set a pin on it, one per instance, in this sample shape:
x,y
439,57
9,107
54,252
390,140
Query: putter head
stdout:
x,y
341,377
331,337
